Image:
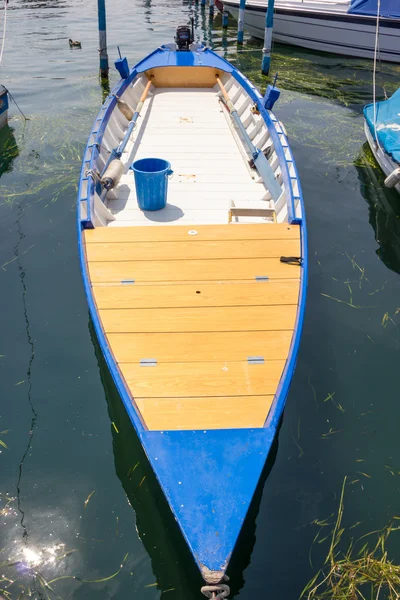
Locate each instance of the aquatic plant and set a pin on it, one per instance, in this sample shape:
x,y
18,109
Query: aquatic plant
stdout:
x,y
356,574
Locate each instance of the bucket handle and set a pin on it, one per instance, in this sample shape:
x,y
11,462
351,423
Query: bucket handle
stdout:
x,y
170,173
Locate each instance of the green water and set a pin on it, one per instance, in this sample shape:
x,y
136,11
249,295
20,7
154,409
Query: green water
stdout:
x,y
78,499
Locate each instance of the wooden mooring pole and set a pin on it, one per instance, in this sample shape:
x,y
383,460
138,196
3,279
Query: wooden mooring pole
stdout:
x,y
101,9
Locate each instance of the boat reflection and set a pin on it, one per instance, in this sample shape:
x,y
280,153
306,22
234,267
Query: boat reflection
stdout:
x,y
172,563
384,208
8,149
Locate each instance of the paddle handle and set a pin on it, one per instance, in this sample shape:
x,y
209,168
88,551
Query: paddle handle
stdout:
x,y
117,152
235,116
225,95
144,95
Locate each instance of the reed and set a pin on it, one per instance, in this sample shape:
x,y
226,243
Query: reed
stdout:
x,y
357,574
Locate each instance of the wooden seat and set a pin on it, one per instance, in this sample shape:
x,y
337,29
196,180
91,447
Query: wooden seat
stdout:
x,y
258,209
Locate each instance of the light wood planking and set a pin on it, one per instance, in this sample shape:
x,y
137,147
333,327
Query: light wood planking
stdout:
x,y
197,309
175,380
250,318
200,347
175,233
187,250
204,413
183,77
191,270
201,295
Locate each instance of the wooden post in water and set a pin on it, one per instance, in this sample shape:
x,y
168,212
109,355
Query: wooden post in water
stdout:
x,y
269,23
101,9
240,35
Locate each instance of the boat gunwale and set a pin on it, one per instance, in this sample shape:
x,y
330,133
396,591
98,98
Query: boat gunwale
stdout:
x,y
278,137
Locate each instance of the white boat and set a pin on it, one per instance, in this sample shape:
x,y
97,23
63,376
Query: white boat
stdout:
x,y
382,128
345,27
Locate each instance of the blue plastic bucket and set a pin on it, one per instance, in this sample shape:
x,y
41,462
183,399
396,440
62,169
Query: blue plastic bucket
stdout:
x,y
151,180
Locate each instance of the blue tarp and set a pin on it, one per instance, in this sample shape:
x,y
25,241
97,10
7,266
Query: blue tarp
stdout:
x,y
389,8
387,124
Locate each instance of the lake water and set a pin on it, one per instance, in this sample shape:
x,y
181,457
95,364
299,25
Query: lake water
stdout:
x,y
78,499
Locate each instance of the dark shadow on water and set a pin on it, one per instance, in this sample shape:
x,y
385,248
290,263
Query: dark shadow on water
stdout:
x,y
8,149
384,208
172,563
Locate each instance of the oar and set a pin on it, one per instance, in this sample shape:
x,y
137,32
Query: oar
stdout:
x,y
117,152
261,163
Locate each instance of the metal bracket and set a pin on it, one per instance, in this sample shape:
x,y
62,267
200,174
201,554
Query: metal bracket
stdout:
x,y
255,360
148,362
262,278
127,281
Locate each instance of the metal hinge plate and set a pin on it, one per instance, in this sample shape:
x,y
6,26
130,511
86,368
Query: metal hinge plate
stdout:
x,y
255,360
262,278
148,362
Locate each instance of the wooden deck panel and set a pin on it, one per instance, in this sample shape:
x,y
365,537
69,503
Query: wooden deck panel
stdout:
x,y
177,233
219,318
261,293
201,341
191,270
184,250
185,380
196,413
200,347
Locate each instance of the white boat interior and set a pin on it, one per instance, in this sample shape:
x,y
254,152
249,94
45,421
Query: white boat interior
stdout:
x,y
185,121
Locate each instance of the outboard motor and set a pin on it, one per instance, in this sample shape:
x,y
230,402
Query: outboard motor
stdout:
x,y
183,37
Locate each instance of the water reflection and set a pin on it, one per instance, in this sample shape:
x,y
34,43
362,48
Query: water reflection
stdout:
x,y
384,208
8,149
172,563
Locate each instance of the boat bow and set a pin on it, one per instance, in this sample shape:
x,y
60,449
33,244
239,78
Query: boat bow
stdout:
x,y
209,479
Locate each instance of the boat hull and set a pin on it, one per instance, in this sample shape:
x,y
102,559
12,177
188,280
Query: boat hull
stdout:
x,y
159,292
386,163
337,33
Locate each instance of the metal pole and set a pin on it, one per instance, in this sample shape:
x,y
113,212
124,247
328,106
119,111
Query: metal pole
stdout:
x,y
269,23
240,34
101,9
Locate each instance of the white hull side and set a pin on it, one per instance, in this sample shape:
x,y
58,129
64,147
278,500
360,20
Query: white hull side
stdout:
x,y
385,162
337,33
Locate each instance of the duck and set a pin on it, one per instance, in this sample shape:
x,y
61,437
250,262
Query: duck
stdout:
x,y
73,44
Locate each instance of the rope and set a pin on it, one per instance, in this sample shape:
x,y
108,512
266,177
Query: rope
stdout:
x,y
16,104
376,50
215,591
3,43
220,590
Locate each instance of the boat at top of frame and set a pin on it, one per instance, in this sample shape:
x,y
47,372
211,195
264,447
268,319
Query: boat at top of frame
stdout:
x,y
346,27
198,306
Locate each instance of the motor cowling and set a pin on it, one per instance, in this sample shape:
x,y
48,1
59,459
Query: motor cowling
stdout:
x,y
183,37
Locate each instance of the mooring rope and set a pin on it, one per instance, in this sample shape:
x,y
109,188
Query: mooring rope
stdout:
x,y
3,43
221,590
218,590
16,104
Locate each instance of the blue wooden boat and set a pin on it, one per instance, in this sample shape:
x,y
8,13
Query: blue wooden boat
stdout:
x,y
382,129
198,303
